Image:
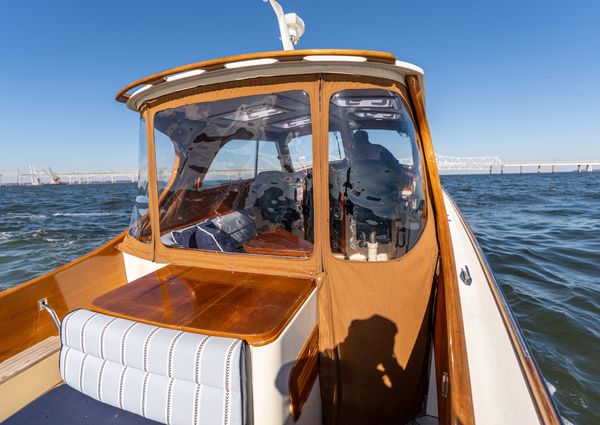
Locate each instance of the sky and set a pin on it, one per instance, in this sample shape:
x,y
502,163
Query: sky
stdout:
x,y
515,79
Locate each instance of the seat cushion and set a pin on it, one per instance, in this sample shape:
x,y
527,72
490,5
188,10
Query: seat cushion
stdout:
x,y
169,376
67,406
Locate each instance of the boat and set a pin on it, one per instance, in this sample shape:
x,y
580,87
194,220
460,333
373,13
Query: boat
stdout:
x,y
292,258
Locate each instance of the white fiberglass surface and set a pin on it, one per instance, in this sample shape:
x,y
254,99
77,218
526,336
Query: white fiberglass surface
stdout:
x,y
136,267
271,365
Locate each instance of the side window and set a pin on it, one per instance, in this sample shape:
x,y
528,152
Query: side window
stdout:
x,y
396,143
268,157
336,147
238,160
377,201
234,161
300,149
235,175
167,160
139,226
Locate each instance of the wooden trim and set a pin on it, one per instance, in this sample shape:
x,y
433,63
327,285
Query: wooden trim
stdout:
x,y
152,182
440,344
287,55
544,404
28,358
304,374
73,285
459,397
135,247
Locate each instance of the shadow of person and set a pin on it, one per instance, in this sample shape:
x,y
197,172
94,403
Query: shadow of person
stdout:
x,y
362,379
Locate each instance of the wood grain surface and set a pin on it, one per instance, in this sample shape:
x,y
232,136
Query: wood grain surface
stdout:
x,y
253,307
303,374
66,288
459,401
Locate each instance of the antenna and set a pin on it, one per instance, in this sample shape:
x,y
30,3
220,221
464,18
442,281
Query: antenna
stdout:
x,y
291,26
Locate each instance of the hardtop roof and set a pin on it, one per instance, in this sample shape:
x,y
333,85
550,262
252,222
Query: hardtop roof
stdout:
x,y
346,61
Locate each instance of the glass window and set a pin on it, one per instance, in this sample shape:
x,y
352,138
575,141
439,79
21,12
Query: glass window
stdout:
x,y
235,175
377,201
268,157
234,161
301,152
336,148
139,226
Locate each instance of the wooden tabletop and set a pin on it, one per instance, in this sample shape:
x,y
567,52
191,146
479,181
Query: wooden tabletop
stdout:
x,y
253,307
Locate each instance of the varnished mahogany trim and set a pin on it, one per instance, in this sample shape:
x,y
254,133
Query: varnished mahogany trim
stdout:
x,y
249,306
152,182
139,249
459,397
283,55
303,374
544,405
440,344
71,286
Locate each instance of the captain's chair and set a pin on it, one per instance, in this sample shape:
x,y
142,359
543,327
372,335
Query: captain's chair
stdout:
x,y
374,181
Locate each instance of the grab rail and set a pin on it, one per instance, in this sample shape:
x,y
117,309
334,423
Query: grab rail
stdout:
x,y
43,305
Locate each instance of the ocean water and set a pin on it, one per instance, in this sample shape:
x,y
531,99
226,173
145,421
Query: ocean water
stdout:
x,y
541,234
43,227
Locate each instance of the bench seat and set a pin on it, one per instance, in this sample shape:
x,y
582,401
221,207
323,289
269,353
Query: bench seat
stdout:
x,y
168,376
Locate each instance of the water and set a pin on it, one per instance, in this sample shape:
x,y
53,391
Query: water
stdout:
x,y
43,227
541,234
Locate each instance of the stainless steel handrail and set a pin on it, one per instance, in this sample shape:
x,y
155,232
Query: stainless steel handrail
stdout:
x,y
43,305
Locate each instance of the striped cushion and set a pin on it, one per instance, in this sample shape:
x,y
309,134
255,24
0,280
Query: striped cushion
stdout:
x,y
169,376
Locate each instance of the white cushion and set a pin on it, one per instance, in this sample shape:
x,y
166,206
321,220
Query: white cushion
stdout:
x,y
169,376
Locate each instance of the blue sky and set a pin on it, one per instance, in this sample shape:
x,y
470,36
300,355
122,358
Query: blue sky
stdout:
x,y
516,79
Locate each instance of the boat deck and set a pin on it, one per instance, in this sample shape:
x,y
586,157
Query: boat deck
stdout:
x,y
65,405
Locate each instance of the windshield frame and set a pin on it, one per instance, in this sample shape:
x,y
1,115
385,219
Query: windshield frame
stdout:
x,y
337,83
318,87
241,261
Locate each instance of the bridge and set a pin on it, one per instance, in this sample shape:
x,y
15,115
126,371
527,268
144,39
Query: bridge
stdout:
x,y
35,178
490,164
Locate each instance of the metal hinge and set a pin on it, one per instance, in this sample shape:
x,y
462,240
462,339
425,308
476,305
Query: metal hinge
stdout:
x,y
444,385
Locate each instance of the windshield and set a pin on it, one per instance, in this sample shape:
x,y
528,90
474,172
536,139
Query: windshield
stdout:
x,y
235,175
377,201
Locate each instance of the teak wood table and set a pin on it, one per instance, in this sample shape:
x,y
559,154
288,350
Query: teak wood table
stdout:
x,y
249,306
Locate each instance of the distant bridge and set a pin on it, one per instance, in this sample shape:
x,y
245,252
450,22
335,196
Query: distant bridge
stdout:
x,y
444,163
491,163
35,178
